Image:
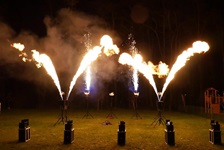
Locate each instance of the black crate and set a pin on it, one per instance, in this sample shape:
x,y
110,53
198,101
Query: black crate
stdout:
x,y
169,137
121,139
68,126
68,136
214,136
24,134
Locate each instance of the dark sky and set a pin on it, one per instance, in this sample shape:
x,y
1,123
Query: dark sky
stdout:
x,y
162,29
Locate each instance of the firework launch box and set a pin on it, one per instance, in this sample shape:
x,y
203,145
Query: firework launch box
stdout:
x,y
215,133
69,132
121,134
24,130
169,133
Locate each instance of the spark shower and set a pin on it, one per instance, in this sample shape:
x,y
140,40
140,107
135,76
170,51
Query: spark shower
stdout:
x,y
108,48
148,71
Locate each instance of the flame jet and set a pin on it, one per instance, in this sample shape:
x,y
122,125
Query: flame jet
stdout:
x,y
142,67
134,51
88,78
198,47
108,49
88,45
42,60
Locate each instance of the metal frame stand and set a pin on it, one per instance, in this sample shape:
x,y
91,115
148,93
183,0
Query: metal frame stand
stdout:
x,y
135,106
111,115
87,114
160,118
64,111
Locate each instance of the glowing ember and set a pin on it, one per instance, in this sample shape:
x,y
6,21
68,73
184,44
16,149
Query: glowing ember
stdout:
x,y
109,49
198,47
111,94
136,93
86,93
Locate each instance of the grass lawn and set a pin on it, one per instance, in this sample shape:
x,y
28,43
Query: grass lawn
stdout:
x,y
191,131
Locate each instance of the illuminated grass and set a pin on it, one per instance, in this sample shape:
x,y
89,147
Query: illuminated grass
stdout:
x,y
191,131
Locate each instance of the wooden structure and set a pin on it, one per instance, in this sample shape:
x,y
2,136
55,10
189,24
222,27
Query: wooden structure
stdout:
x,y
213,101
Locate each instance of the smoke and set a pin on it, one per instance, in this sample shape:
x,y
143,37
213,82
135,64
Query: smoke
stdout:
x,y
63,43
6,34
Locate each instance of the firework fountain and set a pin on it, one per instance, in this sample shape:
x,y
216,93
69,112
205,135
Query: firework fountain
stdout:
x,y
162,69
106,46
87,76
88,45
134,51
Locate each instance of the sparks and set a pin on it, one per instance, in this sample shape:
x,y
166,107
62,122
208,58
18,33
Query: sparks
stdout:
x,y
108,48
142,67
88,45
88,78
134,52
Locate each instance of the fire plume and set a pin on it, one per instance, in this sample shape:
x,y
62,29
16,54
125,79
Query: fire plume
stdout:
x,y
18,46
197,47
22,54
42,60
108,48
45,61
142,67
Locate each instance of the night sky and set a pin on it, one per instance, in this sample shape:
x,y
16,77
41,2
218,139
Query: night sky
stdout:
x,y
162,29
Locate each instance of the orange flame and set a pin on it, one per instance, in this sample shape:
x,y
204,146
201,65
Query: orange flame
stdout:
x,y
42,60
160,70
22,54
198,47
106,43
142,67
109,48
18,46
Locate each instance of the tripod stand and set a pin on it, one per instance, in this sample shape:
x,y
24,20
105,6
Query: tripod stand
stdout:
x,y
135,105
87,114
63,116
111,114
160,118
